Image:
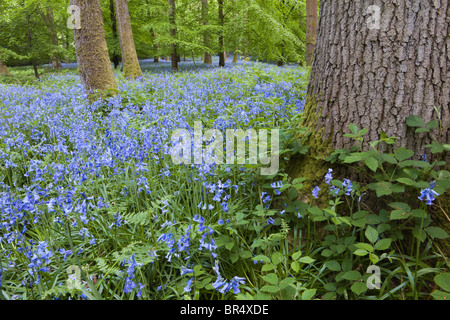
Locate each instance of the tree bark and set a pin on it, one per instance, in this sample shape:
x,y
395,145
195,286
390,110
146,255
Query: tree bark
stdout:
x,y
4,69
173,34
92,53
311,29
376,78
207,55
221,36
131,68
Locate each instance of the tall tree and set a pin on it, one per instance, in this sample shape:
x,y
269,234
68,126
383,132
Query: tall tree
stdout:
x,y
221,35
131,68
207,55
92,53
312,21
376,76
112,14
173,34
49,20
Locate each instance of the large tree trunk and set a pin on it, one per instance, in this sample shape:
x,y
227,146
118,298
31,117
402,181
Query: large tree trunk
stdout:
x,y
207,56
221,36
376,78
173,34
3,68
112,15
311,29
130,62
92,53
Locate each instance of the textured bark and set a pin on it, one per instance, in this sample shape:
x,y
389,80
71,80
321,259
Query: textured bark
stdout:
x,y
4,68
311,29
222,54
173,33
92,53
376,78
207,56
112,15
131,68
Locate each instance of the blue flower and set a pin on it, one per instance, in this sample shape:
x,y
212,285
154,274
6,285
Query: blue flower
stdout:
x,y
188,285
329,176
315,192
429,194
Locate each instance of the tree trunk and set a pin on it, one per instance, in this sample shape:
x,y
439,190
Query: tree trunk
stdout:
x,y
112,15
376,78
49,21
131,68
4,69
173,34
207,56
92,53
311,29
221,53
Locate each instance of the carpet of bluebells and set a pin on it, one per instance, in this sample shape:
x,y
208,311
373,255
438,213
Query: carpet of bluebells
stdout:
x,y
92,206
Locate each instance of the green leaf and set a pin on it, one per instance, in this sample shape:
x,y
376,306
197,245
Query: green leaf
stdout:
x,y
416,163
383,244
353,128
267,267
440,295
415,122
374,258
333,265
296,255
295,266
306,260
308,294
364,246
271,278
361,252
402,154
382,188
443,281
270,289
432,124
399,215
406,181
352,275
359,288
372,163
371,234
437,232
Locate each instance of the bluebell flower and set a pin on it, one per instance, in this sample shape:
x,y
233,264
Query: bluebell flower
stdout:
x,y
188,285
428,194
315,192
329,176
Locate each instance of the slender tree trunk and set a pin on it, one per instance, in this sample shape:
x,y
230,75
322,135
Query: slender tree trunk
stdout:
x,y
376,77
131,68
112,15
221,53
173,34
49,21
207,55
92,53
155,46
311,29
246,33
4,68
